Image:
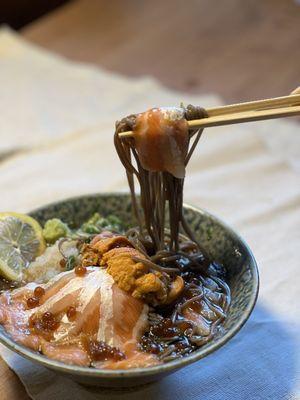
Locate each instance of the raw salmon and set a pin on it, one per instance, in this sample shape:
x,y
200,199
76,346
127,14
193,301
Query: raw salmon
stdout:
x,y
103,315
162,139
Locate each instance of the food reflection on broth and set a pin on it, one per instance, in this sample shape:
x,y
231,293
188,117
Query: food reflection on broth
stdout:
x,y
110,296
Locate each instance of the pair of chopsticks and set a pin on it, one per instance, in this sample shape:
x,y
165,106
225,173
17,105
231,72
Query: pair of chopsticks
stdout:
x,y
278,107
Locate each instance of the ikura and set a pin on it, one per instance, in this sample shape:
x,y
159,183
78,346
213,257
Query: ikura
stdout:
x,y
47,322
32,302
100,351
39,292
71,313
80,270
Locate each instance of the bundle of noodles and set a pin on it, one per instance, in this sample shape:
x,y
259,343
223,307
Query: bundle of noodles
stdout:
x,y
157,156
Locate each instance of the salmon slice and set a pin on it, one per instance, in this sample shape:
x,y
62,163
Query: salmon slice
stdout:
x,y
67,353
134,359
56,283
130,318
25,338
162,140
63,298
103,313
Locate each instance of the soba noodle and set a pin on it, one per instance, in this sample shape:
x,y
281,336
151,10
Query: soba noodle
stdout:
x,y
165,238
159,191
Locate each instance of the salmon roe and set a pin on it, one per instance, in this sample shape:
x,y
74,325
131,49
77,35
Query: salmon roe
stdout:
x,y
32,302
80,270
71,312
100,351
31,321
48,321
39,292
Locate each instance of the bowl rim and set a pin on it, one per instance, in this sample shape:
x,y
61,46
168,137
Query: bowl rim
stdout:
x,y
157,369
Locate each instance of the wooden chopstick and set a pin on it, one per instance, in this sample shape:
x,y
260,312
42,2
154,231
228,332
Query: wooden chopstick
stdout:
x,y
278,107
256,105
247,116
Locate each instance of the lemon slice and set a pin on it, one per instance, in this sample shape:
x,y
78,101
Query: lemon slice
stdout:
x,y
21,241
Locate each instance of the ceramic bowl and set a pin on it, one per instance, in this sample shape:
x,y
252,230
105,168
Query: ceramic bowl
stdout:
x,y
226,247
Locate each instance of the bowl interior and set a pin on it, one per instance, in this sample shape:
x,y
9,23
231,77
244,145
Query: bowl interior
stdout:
x,y
223,244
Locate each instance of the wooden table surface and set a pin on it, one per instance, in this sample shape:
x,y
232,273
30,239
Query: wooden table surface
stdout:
x,y
241,50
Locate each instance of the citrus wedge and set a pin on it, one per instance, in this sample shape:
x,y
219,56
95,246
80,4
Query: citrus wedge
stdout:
x,y
21,241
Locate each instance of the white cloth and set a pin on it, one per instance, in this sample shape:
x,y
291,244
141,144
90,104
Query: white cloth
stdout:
x,y
56,126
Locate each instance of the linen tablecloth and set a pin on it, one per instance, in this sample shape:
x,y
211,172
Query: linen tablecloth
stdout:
x,y
56,126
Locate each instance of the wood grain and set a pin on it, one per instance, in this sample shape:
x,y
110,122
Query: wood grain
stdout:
x,y
243,50
11,387
240,49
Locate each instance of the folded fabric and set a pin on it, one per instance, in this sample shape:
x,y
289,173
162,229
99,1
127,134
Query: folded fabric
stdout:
x,y
44,96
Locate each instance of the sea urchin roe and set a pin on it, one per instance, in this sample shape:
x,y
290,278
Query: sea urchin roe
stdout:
x,y
92,253
80,270
133,277
162,139
100,351
130,271
39,292
89,255
32,302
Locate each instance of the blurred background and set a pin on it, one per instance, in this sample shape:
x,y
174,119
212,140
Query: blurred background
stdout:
x,y
240,49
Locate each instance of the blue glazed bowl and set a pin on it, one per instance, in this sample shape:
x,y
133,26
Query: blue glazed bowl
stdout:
x,y
225,246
